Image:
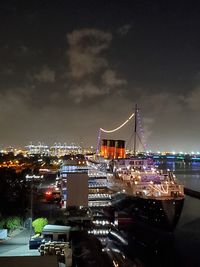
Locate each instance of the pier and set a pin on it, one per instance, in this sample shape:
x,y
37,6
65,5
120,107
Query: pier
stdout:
x,y
192,193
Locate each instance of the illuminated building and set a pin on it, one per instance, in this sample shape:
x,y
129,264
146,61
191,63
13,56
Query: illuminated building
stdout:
x,y
57,149
60,150
39,149
72,166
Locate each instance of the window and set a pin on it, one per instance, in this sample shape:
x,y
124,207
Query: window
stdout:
x,y
62,237
48,236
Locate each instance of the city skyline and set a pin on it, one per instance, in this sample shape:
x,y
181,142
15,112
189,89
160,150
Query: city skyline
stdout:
x,y
89,149
69,68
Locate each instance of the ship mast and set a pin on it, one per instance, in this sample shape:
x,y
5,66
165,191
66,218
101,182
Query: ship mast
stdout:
x,y
135,130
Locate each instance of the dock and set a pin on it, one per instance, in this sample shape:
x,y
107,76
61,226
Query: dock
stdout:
x,y
192,193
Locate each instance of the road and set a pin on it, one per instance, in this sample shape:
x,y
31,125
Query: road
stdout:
x,y
17,245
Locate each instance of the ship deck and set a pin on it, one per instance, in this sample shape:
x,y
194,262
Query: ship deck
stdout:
x,y
119,185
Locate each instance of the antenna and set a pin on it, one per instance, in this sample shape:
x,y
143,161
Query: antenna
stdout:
x,y
135,130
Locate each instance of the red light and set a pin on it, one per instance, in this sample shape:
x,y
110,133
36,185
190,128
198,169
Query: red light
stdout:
x,y
48,193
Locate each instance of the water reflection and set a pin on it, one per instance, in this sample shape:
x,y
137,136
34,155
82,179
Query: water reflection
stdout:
x,y
164,250
187,173
187,234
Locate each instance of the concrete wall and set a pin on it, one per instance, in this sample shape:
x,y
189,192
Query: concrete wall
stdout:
x,y
30,261
3,233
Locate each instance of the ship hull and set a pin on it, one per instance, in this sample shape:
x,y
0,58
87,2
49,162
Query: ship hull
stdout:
x,y
162,214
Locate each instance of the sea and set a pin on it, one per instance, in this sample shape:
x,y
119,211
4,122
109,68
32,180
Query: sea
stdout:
x,y
184,249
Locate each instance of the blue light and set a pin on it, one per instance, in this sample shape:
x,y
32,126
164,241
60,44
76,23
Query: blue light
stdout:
x,y
193,158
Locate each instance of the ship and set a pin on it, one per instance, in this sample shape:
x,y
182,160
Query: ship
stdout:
x,y
149,196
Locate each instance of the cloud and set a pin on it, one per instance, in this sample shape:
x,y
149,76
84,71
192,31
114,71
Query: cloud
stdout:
x,y
85,47
193,99
24,49
87,90
8,103
7,71
90,73
147,129
109,78
166,120
14,115
124,29
46,75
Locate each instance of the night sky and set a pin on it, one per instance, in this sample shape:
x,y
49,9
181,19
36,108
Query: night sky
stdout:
x,y
68,68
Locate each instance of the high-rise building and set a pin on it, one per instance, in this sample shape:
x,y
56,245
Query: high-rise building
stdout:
x,y
74,165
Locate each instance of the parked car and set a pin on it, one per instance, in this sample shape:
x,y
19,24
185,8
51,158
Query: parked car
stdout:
x,y
35,242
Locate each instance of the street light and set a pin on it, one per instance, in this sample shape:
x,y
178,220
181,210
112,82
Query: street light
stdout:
x,y
31,208
30,178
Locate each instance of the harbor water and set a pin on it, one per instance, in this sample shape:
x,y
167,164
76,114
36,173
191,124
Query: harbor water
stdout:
x,y
187,234
184,250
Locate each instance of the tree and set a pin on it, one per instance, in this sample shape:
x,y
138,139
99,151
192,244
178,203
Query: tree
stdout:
x,y
2,223
13,193
13,223
38,224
